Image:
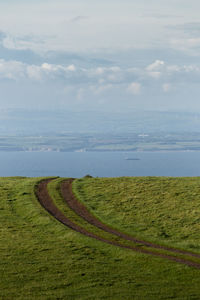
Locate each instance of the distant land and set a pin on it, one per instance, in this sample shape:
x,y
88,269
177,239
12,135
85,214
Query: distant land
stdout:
x,y
62,131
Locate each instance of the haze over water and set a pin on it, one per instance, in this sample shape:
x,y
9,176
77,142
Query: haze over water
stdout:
x,y
101,164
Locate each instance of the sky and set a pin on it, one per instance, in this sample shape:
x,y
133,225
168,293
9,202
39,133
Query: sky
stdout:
x,y
100,55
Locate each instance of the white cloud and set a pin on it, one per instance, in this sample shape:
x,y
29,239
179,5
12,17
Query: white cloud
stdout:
x,y
156,69
28,42
107,74
11,69
173,69
70,25
187,45
104,80
16,70
47,70
47,66
10,42
55,68
156,66
107,70
71,68
134,88
34,72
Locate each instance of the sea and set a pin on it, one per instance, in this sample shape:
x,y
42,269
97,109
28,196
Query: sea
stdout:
x,y
100,164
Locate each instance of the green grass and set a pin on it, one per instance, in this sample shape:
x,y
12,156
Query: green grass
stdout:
x,y
42,259
55,192
161,209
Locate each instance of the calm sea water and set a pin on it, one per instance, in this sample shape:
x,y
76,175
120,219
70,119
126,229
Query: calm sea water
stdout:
x,y
101,164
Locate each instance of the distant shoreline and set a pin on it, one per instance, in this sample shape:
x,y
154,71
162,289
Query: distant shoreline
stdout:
x,y
100,151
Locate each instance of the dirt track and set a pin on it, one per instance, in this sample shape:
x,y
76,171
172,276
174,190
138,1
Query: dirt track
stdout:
x,y
81,210
46,201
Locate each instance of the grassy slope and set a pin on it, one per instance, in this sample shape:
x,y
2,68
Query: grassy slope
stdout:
x,y
54,190
162,209
41,258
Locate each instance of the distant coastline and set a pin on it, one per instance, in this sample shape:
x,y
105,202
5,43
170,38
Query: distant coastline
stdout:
x,y
100,151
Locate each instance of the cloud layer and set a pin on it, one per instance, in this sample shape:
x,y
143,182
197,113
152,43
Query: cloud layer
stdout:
x,y
47,25
145,53
135,78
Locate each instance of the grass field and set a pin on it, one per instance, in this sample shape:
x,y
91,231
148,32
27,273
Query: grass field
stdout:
x,y
161,209
43,259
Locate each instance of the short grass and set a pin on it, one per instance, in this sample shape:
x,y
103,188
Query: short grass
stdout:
x,y
42,259
161,209
55,192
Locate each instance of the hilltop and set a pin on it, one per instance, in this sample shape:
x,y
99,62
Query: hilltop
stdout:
x,y
148,246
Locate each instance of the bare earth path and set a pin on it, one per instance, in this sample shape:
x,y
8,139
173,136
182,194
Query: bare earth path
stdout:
x,y
81,210
46,201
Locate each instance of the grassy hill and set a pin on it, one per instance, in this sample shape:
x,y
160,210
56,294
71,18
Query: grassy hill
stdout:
x,y
43,259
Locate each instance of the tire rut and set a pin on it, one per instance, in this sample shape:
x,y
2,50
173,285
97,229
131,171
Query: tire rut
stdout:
x,y
81,210
48,204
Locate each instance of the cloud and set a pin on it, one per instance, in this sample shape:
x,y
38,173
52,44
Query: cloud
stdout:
x,y
71,68
103,70
13,70
156,66
34,72
158,76
155,69
134,88
70,25
28,42
55,68
187,38
49,67
16,70
186,43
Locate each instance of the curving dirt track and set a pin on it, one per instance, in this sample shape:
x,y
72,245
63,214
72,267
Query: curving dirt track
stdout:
x,y
82,211
46,201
